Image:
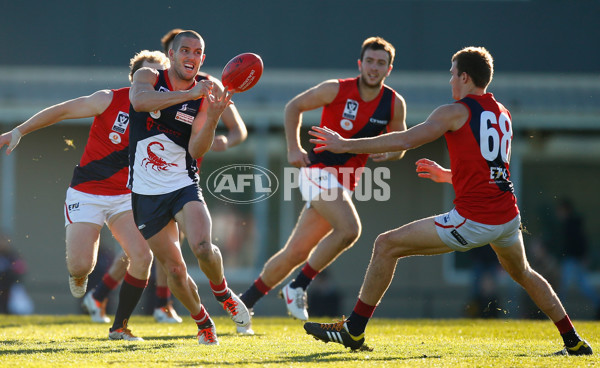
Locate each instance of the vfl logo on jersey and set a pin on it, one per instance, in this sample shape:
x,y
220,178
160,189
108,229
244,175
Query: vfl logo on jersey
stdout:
x,y
183,117
346,124
121,122
114,137
155,161
351,109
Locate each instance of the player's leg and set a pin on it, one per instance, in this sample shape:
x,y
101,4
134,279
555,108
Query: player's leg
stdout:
x,y
82,243
196,224
94,302
136,277
336,208
163,309
514,261
417,238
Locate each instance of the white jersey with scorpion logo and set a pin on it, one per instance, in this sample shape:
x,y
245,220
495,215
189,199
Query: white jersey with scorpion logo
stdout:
x,y
158,146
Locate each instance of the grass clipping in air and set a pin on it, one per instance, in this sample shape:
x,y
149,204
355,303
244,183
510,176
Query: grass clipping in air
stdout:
x,y
73,341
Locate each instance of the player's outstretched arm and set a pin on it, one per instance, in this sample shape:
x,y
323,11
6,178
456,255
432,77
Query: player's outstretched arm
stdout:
x,y
432,170
78,108
397,124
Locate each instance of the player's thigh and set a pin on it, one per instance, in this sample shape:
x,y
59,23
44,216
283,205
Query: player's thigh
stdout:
x,y
195,222
512,258
165,246
82,241
338,210
133,243
416,238
309,230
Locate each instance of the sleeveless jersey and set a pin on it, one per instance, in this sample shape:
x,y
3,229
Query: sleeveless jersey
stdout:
x,y
479,160
103,167
352,117
158,151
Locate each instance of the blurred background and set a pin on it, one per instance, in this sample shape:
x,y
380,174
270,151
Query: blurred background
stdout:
x,y
547,73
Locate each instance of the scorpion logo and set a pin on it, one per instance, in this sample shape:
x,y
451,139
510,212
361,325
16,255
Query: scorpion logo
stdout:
x,y
157,163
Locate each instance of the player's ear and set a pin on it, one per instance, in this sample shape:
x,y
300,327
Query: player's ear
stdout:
x,y
359,62
389,70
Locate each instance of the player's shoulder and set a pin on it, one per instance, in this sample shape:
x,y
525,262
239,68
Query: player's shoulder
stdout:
x,y
146,75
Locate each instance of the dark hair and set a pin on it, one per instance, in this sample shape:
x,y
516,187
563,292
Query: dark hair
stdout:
x,y
167,39
477,62
378,43
186,34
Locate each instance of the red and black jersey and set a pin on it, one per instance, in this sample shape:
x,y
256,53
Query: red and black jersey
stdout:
x,y
479,160
103,168
352,117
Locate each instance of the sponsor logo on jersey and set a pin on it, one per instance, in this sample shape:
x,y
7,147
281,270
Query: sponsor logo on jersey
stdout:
x,y
351,109
73,207
377,121
155,114
163,89
185,107
151,124
114,137
458,237
183,117
498,174
346,124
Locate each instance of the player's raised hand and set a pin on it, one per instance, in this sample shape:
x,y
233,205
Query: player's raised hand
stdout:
x,y
10,139
432,170
218,102
327,140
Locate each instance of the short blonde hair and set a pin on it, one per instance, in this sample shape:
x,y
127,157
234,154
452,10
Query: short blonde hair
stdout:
x,y
138,60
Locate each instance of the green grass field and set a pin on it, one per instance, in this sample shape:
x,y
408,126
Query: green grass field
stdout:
x,y
58,341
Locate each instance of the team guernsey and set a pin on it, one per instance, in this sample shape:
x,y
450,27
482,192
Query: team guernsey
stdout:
x,y
158,151
479,160
103,167
352,117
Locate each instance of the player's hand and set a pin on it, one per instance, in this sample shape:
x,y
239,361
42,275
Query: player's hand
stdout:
x,y
327,140
298,157
220,143
204,88
432,170
10,139
218,102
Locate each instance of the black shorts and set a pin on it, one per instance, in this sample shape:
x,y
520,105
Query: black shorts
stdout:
x,y
153,212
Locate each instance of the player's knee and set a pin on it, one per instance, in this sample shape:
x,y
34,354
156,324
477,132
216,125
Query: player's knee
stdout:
x,y
177,272
203,250
350,234
141,259
383,246
80,267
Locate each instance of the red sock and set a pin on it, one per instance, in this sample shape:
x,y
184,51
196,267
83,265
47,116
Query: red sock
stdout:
x,y
564,325
261,286
109,281
309,272
201,317
220,289
363,309
163,292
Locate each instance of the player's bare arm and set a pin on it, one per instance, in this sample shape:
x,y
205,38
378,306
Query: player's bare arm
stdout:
x,y
432,170
397,124
443,119
313,98
236,129
78,108
143,97
205,122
